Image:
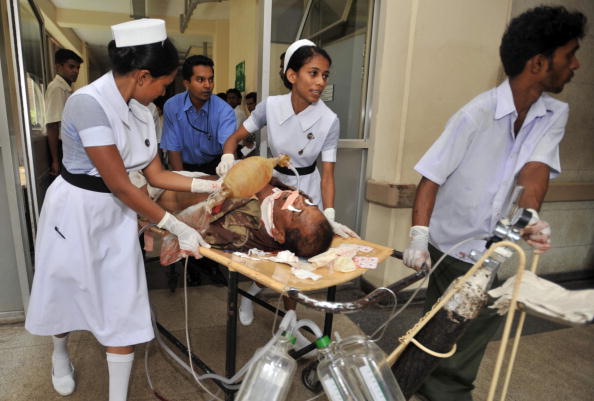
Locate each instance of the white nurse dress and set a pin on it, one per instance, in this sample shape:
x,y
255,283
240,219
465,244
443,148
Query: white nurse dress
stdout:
x,y
89,271
302,136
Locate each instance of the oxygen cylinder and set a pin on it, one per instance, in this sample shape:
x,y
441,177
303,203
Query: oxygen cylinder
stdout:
x,y
369,368
269,379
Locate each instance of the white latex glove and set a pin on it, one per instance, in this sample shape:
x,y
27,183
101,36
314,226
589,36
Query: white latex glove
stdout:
x,y
189,239
537,233
416,256
339,229
208,186
191,174
225,164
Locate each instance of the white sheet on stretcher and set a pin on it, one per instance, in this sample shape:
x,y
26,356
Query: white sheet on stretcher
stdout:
x,y
546,299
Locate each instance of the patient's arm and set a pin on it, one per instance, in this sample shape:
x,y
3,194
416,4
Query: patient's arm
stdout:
x,y
174,201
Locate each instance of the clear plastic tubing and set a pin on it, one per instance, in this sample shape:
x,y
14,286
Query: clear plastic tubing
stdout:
x,y
368,366
308,323
270,378
294,170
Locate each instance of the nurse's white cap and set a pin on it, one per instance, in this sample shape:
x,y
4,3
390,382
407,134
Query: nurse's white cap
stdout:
x,y
139,32
293,48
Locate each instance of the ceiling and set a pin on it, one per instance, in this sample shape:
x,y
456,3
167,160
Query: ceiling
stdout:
x,y
85,18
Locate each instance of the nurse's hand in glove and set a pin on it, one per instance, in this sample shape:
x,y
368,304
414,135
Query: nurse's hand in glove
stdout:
x,y
416,256
189,239
225,164
207,186
537,233
339,229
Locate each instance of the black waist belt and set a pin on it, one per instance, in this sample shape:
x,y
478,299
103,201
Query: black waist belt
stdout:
x,y
84,181
301,170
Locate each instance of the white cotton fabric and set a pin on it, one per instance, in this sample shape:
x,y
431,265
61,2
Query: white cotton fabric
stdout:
x,y
56,94
240,116
293,47
476,161
139,32
89,271
287,134
547,299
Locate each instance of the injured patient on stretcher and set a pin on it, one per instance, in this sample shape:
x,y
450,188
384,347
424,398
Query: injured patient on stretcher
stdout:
x,y
276,218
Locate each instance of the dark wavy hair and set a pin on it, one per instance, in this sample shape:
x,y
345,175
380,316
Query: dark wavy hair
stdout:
x,y
302,57
63,55
311,240
540,30
188,67
252,95
235,92
159,59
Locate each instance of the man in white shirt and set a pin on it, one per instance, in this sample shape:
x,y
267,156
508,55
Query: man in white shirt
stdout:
x,y
67,68
504,137
247,146
234,100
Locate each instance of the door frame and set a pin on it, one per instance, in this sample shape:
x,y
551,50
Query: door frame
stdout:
x,y
363,142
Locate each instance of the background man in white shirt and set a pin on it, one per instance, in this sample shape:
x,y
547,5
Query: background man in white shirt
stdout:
x,y
234,100
67,68
504,137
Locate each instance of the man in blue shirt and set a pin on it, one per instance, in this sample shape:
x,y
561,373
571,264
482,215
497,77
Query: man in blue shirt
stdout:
x,y
196,124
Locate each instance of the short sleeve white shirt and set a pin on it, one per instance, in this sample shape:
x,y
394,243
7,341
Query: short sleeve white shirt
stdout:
x,y
476,161
239,116
56,95
303,137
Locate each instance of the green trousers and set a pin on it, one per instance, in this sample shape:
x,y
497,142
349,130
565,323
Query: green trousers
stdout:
x,y
453,378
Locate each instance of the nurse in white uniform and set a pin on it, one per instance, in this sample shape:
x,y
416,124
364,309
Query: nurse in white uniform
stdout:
x,y
301,126
89,270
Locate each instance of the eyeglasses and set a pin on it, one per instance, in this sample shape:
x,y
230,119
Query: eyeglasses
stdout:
x,y
208,134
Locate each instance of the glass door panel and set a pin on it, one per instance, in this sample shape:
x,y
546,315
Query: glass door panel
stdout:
x,y
30,50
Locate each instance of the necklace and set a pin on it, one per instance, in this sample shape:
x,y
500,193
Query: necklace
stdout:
x,y
208,134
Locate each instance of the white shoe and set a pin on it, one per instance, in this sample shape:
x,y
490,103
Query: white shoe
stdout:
x,y
64,385
246,311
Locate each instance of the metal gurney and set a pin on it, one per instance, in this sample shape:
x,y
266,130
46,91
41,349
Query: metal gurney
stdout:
x,y
278,277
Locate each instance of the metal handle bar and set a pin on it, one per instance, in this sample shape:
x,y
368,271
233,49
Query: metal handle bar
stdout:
x,y
370,299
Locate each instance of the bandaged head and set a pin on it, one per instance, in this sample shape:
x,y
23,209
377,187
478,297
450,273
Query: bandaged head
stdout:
x,y
267,207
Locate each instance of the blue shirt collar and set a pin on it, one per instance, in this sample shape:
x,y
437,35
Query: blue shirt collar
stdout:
x,y
188,103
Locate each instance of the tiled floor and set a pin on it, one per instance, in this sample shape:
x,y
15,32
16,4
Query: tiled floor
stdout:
x,y
25,359
557,364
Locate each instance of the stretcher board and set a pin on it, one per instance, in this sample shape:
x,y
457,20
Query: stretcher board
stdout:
x,y
278,276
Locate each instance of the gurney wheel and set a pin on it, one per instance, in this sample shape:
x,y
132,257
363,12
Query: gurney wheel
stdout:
x,y
309,376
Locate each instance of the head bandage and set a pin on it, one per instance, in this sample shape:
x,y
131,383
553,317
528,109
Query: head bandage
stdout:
x,y
139,32
267,207
266,210
293,48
